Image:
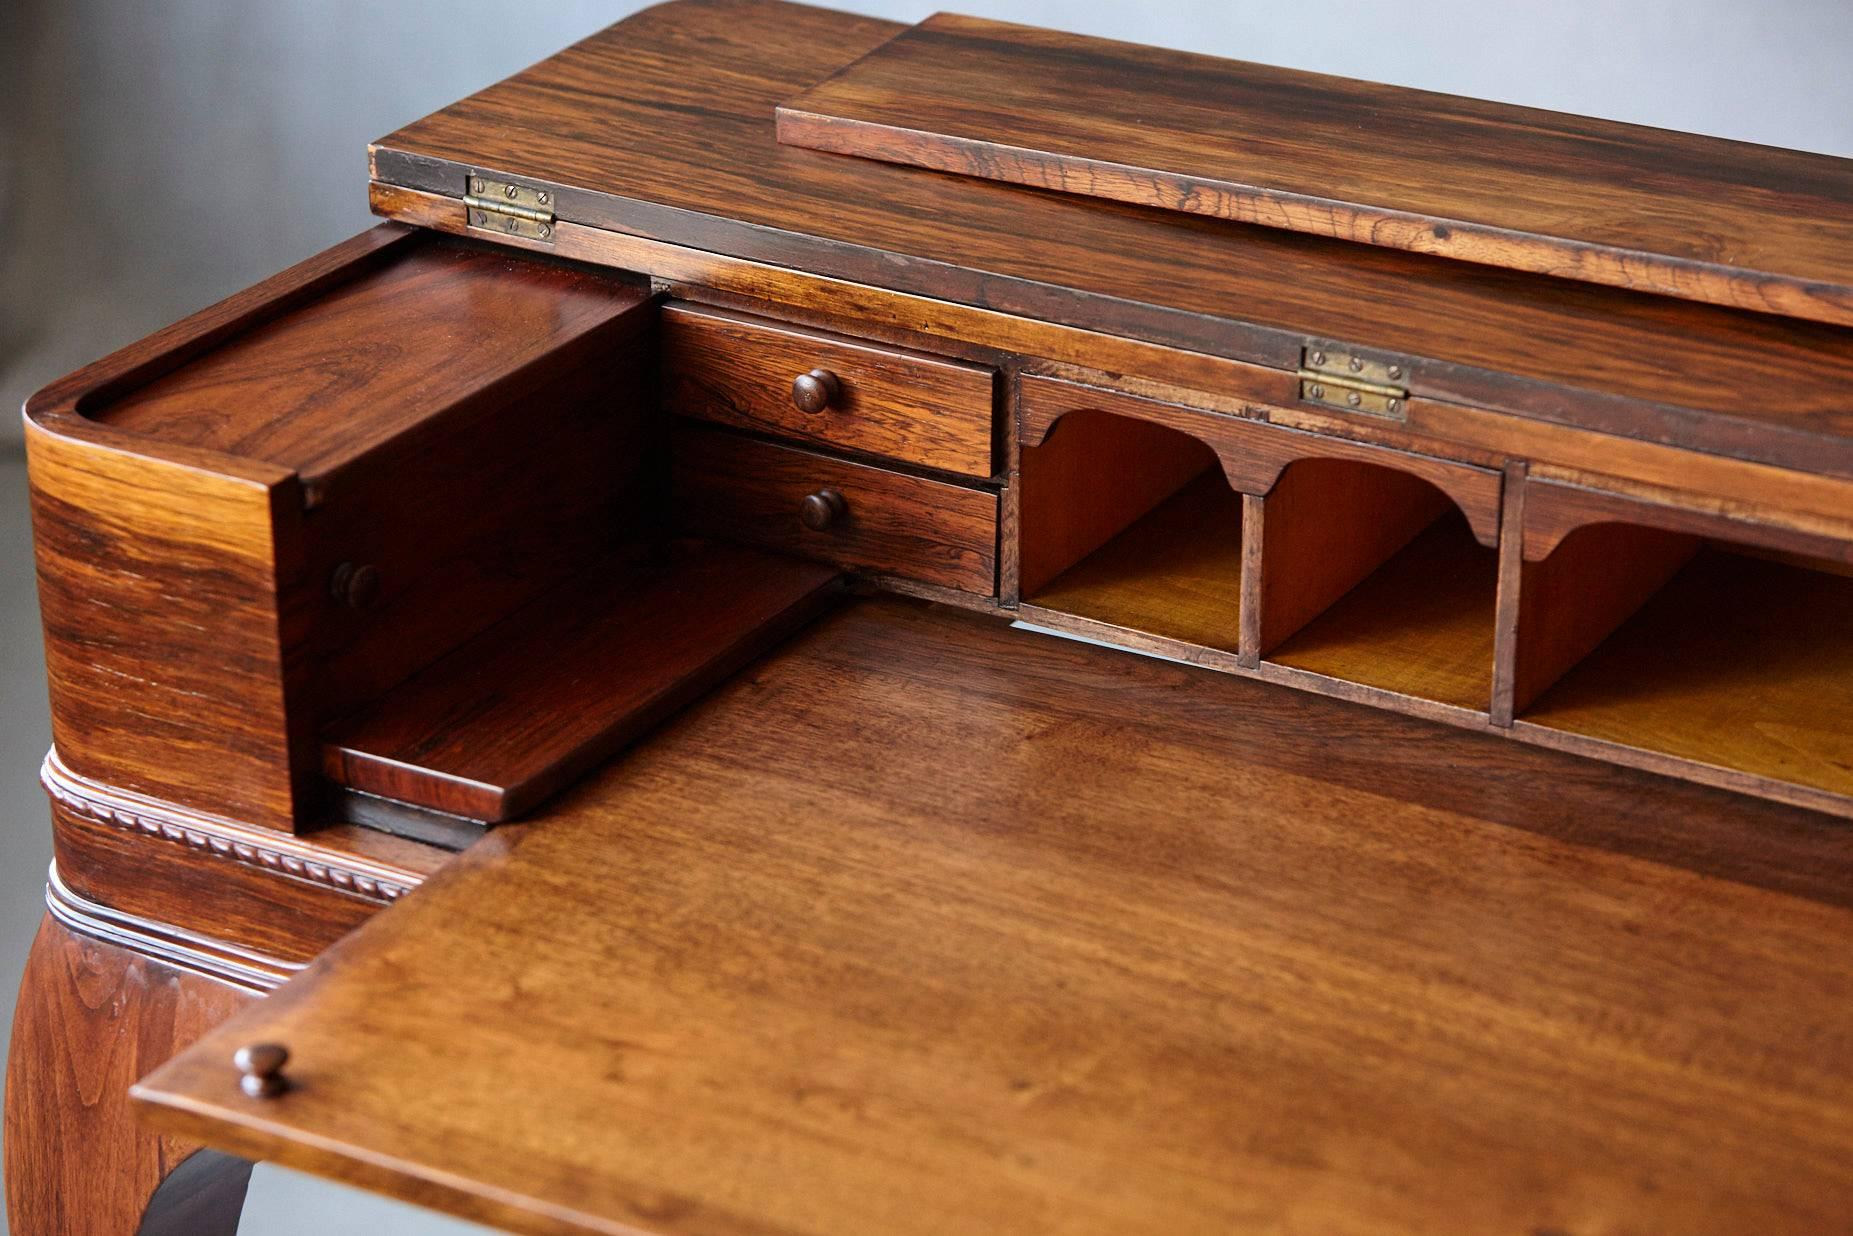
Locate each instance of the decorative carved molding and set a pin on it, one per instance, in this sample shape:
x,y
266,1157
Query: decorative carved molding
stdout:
x,y
175,946
253,847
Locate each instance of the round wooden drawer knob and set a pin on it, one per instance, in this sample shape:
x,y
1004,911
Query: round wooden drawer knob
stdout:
x,y
822,509
261,1069
355,585
815,391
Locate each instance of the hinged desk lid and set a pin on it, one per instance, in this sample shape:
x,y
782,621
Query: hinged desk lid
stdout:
x,y
654,141
930,926
1675,214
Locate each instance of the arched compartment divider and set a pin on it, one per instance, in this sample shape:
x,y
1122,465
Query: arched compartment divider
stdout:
x,y
1685,639
1341,566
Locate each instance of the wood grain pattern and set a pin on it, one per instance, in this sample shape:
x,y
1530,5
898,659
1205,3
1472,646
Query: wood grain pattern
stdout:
x,y
1738,663
1419,625
920,409
1433,427
536,701
1175,572
1254,455
195,493
644,128
93,1018
403,339
161,589
1575,197
737,488
1571,601
1327,525
1174,952
1083,484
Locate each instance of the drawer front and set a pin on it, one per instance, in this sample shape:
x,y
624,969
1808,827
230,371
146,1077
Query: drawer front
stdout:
x,y
743,371
741,489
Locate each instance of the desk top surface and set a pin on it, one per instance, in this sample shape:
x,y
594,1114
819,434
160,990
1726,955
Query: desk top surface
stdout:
x,y
664,126
929,925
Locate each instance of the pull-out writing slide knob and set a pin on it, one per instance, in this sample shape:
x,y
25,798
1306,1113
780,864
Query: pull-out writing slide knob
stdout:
x,y
260,1066
821,509
815,391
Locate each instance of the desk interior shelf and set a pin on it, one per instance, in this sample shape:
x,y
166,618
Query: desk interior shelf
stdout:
x,y
561,685
1738,663
1420,625
1175,570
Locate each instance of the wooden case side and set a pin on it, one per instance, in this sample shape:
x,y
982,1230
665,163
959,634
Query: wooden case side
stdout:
x,y
169,576
162,590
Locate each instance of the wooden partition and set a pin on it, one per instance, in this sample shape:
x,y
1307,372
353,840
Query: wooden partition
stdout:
x,y
1132,526
1370,575
1686,640
1219,539
1639,627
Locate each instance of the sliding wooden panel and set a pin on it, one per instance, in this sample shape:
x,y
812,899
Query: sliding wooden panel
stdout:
x,y
1383,165
564,683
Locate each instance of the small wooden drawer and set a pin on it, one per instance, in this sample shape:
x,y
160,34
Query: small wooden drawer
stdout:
x,y
757,374
736,488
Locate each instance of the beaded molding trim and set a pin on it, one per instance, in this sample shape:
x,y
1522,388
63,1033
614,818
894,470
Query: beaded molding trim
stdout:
x,y
219,838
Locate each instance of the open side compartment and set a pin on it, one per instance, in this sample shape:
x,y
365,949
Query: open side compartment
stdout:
x,y
1373,575
1690,641
1131,526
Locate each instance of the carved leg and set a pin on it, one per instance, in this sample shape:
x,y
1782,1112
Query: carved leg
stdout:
x,y
92,1019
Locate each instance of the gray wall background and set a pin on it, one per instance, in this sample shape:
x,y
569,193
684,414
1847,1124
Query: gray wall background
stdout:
x,y
156,155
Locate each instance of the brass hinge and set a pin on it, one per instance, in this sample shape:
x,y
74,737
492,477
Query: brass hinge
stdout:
x,y
1333,378
510,209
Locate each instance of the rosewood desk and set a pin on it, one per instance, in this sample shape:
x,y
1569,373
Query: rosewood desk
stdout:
x,y
836,628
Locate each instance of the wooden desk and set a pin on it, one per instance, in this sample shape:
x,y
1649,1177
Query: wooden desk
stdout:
x,y
607,568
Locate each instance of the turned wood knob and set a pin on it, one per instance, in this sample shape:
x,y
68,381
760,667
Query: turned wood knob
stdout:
x,y
261,1066
816,390
355,585
822,509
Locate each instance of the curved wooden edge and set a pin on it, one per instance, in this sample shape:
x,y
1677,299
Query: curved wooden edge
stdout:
x,y
167,943
332,858
1254,454
1557,507
94,1015
58,412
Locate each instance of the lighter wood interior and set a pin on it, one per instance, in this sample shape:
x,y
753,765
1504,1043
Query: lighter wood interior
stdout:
x,y
1740,662
1421,624
1176,571
1368,575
